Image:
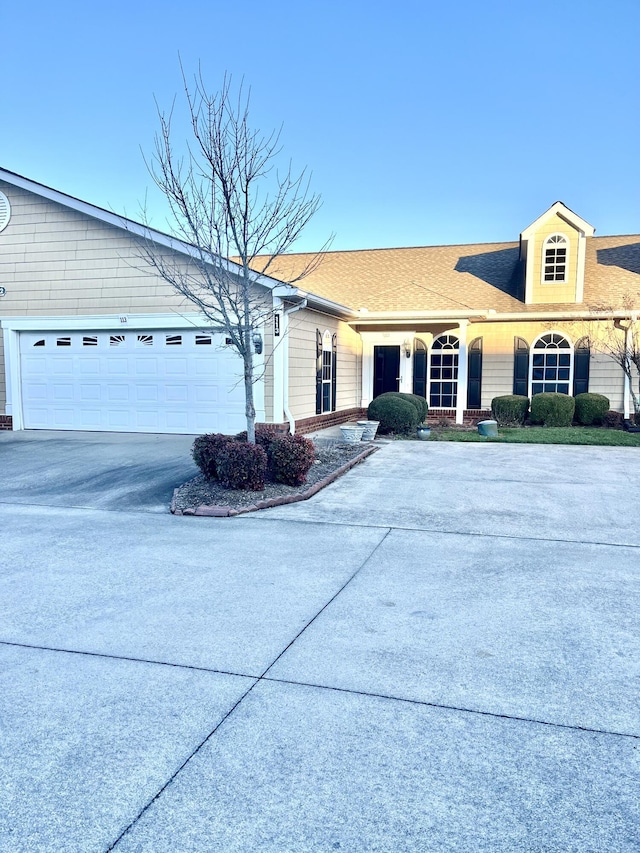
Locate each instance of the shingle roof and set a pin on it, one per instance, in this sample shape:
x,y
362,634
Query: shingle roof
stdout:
x,y
453,278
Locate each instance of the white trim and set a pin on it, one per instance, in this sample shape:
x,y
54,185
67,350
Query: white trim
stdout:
x,y
571,362
128,225
560,209
388,338
12,326
580,265
278,360
461,398
454,334
104,321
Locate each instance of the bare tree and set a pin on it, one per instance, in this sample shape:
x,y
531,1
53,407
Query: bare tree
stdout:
x,y
618,337
228,199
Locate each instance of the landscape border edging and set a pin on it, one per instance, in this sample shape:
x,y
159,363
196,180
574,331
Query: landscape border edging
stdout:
x,y
267,503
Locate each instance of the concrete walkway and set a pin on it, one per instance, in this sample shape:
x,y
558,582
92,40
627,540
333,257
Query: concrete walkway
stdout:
x,y
438,652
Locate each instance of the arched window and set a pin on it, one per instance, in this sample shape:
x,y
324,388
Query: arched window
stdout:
x,y
551,364
443,372
554,258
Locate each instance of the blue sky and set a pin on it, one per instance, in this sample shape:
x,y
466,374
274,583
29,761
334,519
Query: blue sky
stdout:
x,y
422,122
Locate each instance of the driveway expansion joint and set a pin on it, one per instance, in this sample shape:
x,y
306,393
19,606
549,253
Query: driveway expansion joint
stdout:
x,y
241,699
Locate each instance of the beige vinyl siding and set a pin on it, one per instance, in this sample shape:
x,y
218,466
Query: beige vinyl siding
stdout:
x,y
55,261
605,376
302,362
555,293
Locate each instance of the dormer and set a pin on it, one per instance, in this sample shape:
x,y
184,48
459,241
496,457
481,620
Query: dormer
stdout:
x,y
553,252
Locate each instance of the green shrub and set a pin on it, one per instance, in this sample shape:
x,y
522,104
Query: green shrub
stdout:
x,y
394,413
290,458
205,451
509,410
241,465
419,402
591,408
552,409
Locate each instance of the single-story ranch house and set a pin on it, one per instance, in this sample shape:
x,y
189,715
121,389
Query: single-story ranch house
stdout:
x,y
93,340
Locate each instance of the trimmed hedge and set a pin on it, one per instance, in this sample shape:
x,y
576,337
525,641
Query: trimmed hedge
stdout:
x,y
591,408
395,414
552,409
290,458
241,465
205,451
510,409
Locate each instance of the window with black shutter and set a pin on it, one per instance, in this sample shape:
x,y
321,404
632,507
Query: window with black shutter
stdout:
x,y
474,376
520,367
581,360
420,368
318,372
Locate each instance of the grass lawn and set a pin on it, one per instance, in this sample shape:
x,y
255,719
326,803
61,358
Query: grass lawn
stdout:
x,y
545,435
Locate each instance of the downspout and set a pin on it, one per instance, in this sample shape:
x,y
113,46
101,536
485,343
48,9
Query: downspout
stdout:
x,y
285,363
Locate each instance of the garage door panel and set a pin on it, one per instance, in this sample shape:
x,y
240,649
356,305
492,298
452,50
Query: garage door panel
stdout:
x,y
160,382
90,392
60,393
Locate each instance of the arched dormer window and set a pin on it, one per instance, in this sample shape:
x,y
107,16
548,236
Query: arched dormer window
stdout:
x,y
555,252
551,364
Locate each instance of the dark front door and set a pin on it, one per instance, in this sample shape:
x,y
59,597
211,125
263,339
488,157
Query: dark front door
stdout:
x,y
386,369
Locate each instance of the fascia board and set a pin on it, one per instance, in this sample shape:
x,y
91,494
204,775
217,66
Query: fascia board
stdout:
x,y
125,224
103,321
568,215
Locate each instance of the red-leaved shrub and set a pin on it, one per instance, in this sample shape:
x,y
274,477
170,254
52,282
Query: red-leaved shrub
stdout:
x,y
290,457
205,452
241,465
265,433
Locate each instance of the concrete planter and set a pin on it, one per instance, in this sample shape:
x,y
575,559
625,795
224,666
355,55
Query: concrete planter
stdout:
x,y
351,433
423,432
488,428
370,429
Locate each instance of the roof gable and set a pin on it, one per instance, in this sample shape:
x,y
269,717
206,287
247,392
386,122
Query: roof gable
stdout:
x,y
561,210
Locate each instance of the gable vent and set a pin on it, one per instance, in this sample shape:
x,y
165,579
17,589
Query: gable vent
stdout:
x,y
5,211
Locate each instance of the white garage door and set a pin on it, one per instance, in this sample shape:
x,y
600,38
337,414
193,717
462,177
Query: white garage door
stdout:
x,y
131,381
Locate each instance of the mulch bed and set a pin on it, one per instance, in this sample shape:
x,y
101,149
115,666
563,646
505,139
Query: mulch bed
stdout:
x,y
208,497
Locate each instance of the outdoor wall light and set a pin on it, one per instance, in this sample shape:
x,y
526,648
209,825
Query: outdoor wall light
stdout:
x,y
256,337
406,346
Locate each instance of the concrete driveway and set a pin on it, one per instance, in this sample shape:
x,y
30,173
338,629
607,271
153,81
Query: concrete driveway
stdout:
x,y
438,652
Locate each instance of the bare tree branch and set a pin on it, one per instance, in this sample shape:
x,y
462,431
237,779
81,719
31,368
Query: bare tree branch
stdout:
x,y
228,199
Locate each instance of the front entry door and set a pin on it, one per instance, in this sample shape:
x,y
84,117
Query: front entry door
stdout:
x,y
386,369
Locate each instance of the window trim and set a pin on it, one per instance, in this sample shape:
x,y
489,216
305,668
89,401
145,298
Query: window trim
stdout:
x,y
455,368
570,349
545,247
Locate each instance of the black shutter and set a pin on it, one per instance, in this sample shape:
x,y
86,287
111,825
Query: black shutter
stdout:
x,y
318,372
334,363
474,375
520,367
581,359
420,369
